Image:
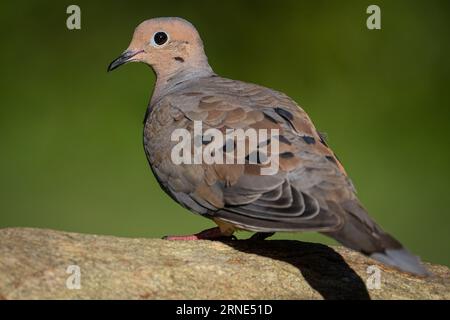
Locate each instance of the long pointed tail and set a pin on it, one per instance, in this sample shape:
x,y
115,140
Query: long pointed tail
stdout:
x,y
361,233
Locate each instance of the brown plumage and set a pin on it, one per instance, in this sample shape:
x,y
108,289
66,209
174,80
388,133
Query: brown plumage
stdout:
x,y
310,192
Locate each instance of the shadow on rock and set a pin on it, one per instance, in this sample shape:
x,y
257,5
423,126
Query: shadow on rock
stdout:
x,y
323,268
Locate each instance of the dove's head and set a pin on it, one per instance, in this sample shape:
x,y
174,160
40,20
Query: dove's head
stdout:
x,y
168,45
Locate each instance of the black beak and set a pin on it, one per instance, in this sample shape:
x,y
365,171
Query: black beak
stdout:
x,y
122,59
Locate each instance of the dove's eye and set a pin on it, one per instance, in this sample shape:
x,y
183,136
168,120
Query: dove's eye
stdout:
x,y
159,39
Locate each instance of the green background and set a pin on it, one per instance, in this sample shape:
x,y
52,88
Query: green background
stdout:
x,y
71,134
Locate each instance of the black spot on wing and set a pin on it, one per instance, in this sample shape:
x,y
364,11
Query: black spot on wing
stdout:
x,y
286,155
331,159
309,140
284,140
229,146
284,114
179,59
206,140
256,157
264,143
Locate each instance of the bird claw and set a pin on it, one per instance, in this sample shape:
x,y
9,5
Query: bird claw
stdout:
x,y
209,234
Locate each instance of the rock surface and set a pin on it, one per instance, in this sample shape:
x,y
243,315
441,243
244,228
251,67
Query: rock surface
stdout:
x,y
34,264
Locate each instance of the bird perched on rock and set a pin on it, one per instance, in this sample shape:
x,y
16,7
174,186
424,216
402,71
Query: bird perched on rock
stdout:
x,y
310,190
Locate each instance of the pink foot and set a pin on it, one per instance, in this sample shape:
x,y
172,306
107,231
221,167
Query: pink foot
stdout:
x,y
209,234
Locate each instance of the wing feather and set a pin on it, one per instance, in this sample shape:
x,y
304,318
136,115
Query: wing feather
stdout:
x,y
310,179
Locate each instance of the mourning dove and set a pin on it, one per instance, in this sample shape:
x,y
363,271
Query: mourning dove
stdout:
x,y
310,191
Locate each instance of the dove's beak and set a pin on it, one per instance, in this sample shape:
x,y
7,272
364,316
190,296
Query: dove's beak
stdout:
x,y
125,57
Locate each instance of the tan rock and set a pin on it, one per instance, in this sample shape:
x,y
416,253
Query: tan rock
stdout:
x,y
33,265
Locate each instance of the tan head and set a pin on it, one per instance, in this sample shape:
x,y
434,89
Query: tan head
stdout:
x,y
168,45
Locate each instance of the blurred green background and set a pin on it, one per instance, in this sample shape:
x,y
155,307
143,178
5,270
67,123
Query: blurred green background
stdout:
x,y
71,134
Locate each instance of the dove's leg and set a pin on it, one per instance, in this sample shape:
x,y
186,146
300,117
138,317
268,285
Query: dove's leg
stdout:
x,y
261,235
209,234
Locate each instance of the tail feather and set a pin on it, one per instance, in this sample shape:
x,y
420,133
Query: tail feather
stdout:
x,y
359,232
401,259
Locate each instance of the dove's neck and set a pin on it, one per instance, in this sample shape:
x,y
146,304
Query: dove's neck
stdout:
x,y
167,80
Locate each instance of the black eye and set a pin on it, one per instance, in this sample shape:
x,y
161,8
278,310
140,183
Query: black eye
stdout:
x,y
160,38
